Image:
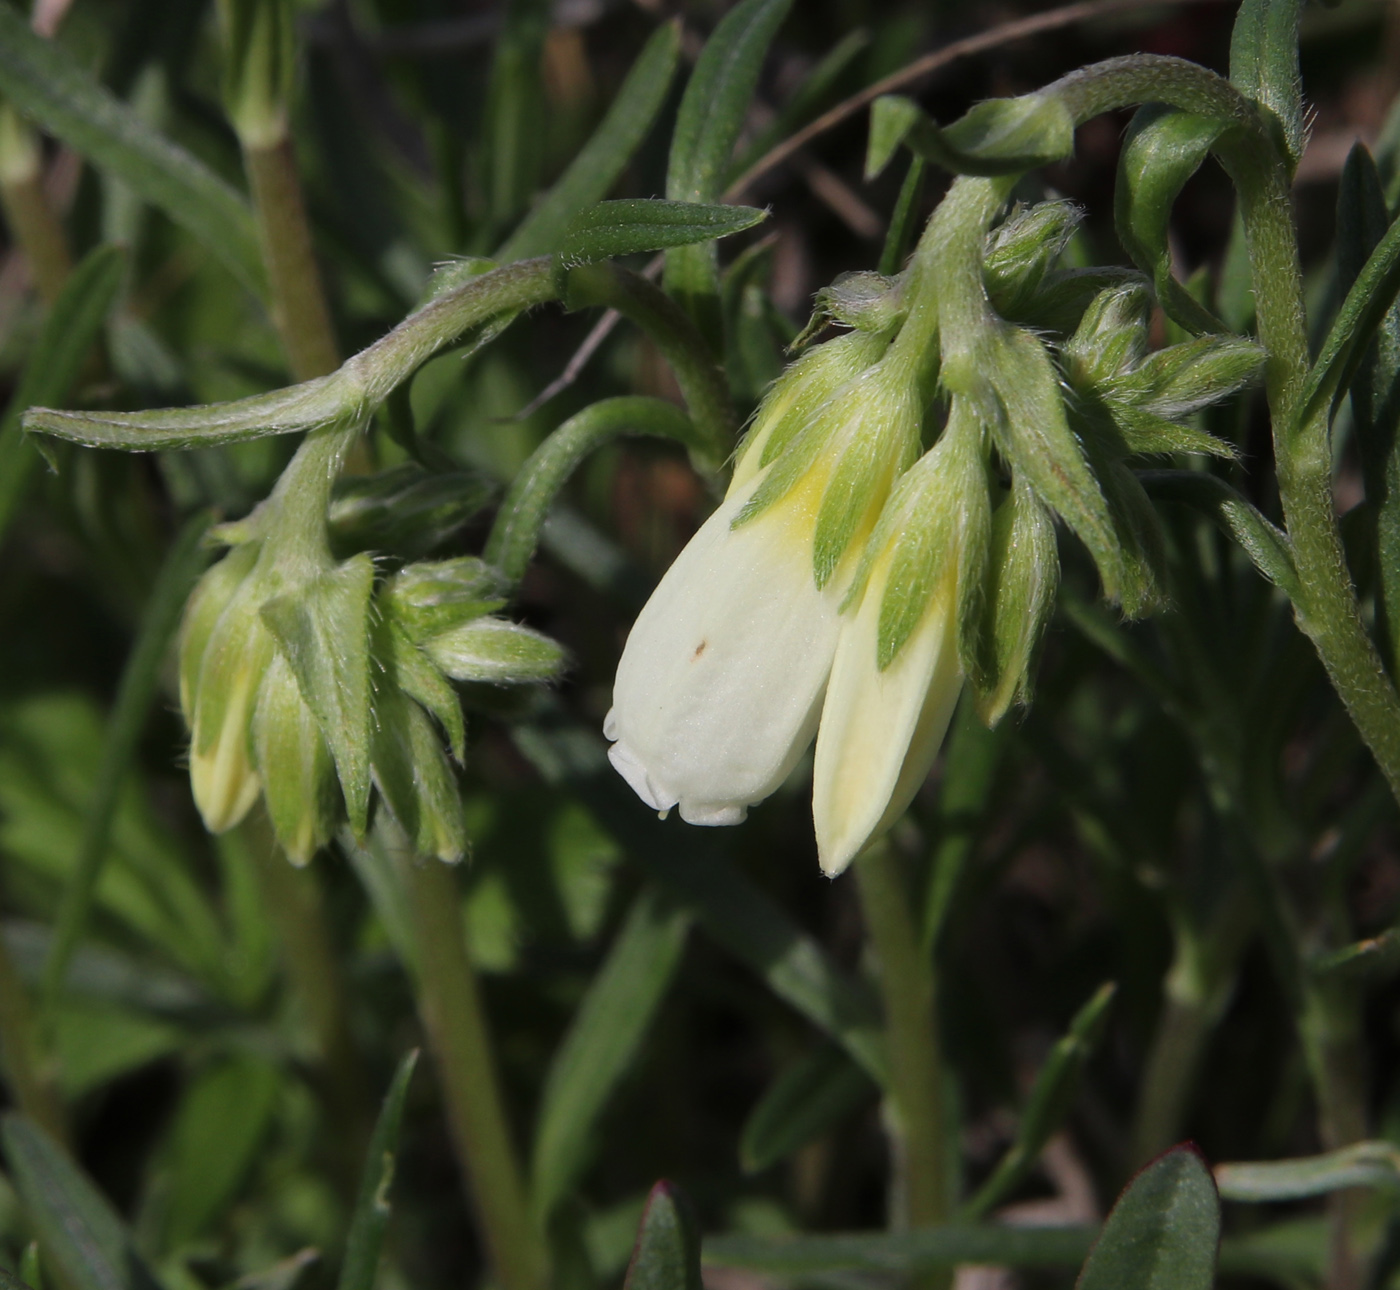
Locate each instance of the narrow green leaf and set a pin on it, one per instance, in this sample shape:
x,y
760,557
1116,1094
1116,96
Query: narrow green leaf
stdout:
x,y
602,1043
1354,327
44,82
1264,67
638,224
520,519
922,1250
1163,149
603,158
998,137
514,117
360,1267
708,122
1374,956
1048,1104
731,910
1265,544
68,331
137,689
411,771
76,1224
1363,218
811,94
1164,1231
323,630
667,1256
970,768
1363,1164
221,1122
904,222
814,1094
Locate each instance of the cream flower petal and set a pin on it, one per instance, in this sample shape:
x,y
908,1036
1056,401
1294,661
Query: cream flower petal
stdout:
x,y
721,681
880,731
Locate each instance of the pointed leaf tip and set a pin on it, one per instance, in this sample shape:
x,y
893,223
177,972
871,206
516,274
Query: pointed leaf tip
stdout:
x,y
667,1254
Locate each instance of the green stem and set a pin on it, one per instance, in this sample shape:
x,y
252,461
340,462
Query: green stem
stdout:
x,y
907,985
449,1002
298,301
28,1069
1326,606
1195,993
292,897
516,532
700,377
1333,1044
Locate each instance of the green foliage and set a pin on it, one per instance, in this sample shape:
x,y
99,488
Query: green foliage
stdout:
x,y
1163,1231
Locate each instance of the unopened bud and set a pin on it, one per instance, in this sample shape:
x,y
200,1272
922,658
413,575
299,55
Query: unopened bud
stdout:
x,y
1023,249
407,510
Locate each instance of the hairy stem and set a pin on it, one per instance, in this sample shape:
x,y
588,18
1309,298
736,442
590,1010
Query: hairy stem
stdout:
x,y
450,1004
298,301
916,1061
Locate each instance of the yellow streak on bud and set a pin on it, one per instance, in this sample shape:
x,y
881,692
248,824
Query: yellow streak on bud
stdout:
x,y
222,778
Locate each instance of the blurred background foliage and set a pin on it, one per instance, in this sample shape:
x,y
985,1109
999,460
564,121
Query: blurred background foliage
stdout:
x,y
1115,832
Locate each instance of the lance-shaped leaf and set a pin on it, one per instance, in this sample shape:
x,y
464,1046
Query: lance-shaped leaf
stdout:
x,y
998,137
407,668
667,1256
1363,1164
371,1217
809,1098
65,337
711,114
1363,219
1264,67
603,1042
78,1225
1164,148
638,224
40,78
1163,1232
323,631
603,158
1049,1102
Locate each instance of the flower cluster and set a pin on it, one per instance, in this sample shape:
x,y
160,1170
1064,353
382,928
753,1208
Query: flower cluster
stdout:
x,y
853,580
306,680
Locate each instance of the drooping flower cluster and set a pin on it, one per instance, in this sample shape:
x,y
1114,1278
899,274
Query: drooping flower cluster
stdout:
x,y
847,587
304,682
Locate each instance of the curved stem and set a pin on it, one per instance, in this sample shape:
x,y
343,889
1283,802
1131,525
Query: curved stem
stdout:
x,y
516,532
700,377
1326,605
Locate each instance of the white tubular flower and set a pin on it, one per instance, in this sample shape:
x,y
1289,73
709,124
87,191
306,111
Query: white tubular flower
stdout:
x,y
897,674
721,681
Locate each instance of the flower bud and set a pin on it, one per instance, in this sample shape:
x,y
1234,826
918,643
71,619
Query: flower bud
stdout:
x,y
224,648
299,780
719,687
897,671
405,510
1023,249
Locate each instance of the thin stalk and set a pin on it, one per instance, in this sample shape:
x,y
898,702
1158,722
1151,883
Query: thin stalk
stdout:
x,y
34,226
28,1068
449,1002
1333,1045
1196,992
292,897
298,301
916,1088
